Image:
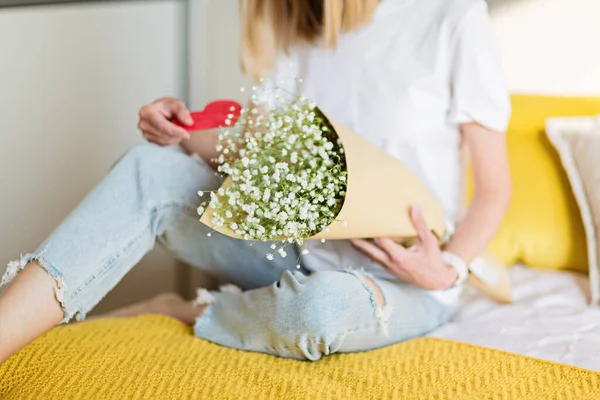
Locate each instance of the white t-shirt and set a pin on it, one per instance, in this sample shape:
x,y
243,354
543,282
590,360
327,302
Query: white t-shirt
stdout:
x,y
405,82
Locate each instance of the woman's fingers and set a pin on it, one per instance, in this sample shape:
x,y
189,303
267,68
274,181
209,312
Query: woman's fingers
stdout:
x,y
155,121
152,136
388,245
393,249
160,140
182,113
424,233
163,126
172,109
164,141
372,251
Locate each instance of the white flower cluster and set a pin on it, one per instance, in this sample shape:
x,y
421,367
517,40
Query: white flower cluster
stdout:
x,y
288,175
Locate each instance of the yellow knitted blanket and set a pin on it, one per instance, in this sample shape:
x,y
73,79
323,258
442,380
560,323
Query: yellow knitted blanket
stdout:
x,y
155,357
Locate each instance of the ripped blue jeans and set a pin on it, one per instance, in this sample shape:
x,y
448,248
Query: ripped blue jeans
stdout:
x,y
150,195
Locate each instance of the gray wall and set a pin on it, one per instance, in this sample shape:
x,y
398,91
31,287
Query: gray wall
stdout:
x,y
72,80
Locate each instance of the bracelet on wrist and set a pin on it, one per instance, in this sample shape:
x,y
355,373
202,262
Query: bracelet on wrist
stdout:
x,y
457,263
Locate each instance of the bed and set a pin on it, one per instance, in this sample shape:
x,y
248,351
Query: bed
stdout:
x,y
158,357
544,345
549,319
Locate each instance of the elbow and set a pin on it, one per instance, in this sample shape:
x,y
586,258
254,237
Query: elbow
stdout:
x,y
506,197
498,196
503,196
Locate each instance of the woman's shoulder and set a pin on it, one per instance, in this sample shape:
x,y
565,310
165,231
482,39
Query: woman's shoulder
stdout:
x,y
438,11
449,6
459,8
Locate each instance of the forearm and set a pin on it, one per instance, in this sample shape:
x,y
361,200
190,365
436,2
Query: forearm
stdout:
x,y
480,223
492,182
204,144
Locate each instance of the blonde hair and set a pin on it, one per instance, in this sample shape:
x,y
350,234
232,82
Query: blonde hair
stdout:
x,y
273,26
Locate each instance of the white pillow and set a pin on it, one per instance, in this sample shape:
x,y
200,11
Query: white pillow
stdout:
x,y
577,141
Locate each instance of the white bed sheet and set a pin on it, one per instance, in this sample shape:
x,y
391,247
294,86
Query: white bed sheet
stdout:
x,y
548,319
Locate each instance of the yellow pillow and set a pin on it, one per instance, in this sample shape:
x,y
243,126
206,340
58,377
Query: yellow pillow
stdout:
x,y
543,227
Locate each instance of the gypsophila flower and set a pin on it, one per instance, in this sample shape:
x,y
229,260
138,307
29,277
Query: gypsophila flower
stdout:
x,y
288,177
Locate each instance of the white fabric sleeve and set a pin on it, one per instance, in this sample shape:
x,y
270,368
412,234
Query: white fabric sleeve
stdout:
x,y
479,92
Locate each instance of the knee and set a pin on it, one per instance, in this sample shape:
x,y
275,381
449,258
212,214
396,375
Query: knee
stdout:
x,y
147,164
150,162
326,302
141,169
141,156
315,315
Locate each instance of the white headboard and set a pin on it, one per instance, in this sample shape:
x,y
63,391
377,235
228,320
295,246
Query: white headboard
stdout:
x,y
549,46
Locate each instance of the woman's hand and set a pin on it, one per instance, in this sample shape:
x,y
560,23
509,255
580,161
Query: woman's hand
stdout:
x,y
420,265
155,121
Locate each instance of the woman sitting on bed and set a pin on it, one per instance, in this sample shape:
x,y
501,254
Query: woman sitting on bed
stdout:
x,y
415,77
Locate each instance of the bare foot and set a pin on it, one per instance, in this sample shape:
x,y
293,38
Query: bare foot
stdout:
x,y
169,304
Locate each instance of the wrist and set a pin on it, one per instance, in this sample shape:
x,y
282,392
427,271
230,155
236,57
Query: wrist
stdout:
x,y
443,278
449,278
460,269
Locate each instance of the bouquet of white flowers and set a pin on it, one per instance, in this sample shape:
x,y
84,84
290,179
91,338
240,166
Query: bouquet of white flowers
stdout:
x,y
293,174
287,176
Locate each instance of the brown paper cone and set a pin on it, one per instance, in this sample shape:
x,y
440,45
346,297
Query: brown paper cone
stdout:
x,y
380,191
501,290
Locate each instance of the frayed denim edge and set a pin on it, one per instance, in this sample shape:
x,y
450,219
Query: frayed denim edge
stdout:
x,y
203,298
14,267
206,298
382,314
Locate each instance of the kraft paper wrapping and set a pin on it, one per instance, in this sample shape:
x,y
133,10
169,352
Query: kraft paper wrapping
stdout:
x,y
500,289
380,191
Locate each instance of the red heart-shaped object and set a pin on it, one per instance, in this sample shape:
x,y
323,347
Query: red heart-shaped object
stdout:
x,y
216,114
